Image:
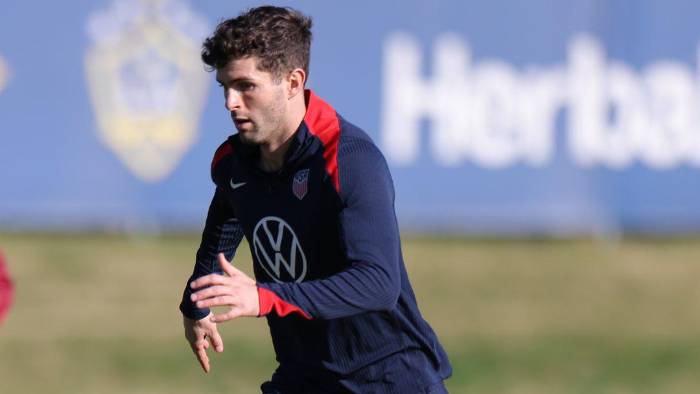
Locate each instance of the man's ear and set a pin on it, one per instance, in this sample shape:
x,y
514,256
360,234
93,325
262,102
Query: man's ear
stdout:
x,y
297,79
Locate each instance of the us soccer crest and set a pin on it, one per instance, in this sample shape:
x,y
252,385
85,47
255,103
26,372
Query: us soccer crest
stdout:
x,y
300,185
146,82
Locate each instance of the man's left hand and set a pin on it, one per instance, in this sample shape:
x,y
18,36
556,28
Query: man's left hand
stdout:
x,y
234,289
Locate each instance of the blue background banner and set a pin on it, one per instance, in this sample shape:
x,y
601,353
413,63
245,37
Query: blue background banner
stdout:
x,y
499,117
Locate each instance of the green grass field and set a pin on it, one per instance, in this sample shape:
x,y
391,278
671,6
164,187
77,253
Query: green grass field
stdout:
x,y
98,314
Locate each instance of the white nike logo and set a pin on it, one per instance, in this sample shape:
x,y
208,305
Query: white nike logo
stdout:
x,y
236,185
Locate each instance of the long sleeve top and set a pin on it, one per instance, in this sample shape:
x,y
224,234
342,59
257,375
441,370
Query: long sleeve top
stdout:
x,y
326,249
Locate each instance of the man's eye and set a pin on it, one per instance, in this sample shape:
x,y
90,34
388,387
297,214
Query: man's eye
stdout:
x,y
220,84
246,86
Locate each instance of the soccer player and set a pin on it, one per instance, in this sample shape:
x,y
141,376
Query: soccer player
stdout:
x,y
314,198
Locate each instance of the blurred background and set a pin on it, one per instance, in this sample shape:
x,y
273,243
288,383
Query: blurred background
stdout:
x,y
545,156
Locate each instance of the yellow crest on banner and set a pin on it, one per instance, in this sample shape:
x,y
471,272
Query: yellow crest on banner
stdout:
x,y
146,82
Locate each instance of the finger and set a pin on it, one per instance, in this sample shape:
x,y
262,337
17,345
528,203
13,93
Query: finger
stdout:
x,y
231,270
226,266
210,292
198,340
230,315
217,341
216,301
201,343
203,359
209,280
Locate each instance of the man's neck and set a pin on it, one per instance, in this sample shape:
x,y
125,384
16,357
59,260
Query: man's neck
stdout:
x,y
272,154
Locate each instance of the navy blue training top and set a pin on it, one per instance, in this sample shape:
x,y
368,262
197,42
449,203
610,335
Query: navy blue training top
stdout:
x,y
326,253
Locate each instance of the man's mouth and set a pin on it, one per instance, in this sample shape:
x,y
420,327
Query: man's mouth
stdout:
x,y
241,122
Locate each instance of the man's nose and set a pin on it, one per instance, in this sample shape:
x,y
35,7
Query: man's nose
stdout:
x,y
233,100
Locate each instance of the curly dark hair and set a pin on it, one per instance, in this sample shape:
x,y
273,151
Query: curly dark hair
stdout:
x,y
280,37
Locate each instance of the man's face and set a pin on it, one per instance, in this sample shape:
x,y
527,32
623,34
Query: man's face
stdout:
x,y
257,102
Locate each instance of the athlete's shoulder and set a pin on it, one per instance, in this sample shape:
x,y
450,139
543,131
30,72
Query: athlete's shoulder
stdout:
x,y
223,154
360,162
349,152
355,143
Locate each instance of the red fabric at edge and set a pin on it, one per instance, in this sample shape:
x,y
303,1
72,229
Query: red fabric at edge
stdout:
x,y
6,290
269,301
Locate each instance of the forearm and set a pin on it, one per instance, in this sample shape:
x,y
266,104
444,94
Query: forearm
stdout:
x,y
358,289
206,263
222,234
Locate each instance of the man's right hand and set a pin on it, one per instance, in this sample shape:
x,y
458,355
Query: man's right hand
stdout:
x,y
199,333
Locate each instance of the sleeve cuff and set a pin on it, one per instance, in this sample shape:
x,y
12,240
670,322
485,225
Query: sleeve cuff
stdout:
x,y
193,313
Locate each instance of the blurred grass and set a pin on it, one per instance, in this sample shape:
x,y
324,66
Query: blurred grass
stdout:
x,y
98,314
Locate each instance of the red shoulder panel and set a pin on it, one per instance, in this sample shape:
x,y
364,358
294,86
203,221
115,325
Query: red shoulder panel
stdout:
x,y
322,121
223,150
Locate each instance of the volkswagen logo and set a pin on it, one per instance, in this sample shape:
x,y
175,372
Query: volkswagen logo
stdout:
x,y
278,251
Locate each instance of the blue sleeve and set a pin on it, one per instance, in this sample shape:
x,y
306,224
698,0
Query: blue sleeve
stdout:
x,y
222,234
370,240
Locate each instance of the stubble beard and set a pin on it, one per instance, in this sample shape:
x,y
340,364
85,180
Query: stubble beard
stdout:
x,y
270,125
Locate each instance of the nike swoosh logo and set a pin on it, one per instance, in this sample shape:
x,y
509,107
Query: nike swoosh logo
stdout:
x,y
236,185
